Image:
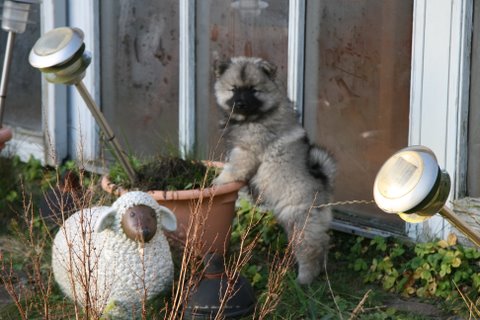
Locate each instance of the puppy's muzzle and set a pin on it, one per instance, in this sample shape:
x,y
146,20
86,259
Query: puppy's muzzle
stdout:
x,y
244,101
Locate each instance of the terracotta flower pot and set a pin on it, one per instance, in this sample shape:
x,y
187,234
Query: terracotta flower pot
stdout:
x,y
212,210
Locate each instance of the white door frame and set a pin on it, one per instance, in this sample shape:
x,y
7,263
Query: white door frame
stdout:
x,y
84,144
54,97
439,94
186,96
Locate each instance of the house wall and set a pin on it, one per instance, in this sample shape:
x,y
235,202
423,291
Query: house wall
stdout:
x,y
438,96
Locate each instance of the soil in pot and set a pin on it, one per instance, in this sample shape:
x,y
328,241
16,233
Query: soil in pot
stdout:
x,y
166,173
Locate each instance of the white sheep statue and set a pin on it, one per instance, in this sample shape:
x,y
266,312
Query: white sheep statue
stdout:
x,y
113,259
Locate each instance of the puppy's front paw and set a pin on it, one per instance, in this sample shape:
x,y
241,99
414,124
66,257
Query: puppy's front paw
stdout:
x,y
223,178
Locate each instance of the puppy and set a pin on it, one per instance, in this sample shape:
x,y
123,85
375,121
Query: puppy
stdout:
x,y
267,147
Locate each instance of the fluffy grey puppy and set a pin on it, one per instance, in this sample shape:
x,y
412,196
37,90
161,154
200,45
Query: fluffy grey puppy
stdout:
x,y
269,148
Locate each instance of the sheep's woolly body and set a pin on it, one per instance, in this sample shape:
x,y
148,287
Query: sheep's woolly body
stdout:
x,y
123,272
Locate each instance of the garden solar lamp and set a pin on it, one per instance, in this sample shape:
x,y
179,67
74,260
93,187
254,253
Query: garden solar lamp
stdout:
x,y
60,55
14,20
411,184
249,8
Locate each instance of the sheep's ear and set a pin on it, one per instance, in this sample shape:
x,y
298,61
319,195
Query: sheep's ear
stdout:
x,y
106,220
169,221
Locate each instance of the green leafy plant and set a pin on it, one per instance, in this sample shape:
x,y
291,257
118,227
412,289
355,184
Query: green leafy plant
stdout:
x,y
16,177
428,270
265,231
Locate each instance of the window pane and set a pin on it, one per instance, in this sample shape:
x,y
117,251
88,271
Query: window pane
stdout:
x,y
357,84
139,73
23,106
225,29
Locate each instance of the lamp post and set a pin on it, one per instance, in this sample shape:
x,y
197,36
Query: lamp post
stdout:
x,y
60,55
411,184
14,20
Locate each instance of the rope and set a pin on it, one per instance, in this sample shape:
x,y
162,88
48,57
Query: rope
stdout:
x,y
341,203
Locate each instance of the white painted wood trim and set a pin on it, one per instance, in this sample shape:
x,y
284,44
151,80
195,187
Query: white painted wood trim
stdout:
x,y
439,93
459,101
296,53
54,97
84,144
186,112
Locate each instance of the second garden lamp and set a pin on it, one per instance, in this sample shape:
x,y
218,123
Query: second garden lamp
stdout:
x,y
60,55
14,20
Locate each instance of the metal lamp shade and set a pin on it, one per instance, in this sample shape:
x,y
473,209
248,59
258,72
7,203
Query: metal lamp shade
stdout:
x,y
411,183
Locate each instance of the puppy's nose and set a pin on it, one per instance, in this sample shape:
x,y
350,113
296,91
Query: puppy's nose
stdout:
x,y
239,103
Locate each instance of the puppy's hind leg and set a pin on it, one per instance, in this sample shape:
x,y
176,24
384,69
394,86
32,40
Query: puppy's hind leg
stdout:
x,y
311,246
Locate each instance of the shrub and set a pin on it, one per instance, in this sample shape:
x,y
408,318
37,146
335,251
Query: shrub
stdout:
x,y
443,269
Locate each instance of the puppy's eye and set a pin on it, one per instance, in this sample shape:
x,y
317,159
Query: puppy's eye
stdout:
x,y
234,88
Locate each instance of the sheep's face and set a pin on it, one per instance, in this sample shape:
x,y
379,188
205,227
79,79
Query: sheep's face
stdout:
x,y
139,223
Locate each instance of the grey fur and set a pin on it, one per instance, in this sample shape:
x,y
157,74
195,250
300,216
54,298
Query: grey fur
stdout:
x,y
270,149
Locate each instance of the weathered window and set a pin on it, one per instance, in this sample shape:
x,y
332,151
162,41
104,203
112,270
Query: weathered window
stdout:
x,y
357,84
139,73
225,29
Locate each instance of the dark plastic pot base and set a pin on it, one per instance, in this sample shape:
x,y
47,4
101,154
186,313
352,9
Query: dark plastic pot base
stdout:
x,y
204,302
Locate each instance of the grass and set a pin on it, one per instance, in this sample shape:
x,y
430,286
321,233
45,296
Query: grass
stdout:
x,y
259,251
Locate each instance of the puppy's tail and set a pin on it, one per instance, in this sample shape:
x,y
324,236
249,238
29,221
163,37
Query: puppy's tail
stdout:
x,y
322,165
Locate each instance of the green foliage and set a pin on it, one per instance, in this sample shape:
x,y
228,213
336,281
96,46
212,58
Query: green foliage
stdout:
x,y
32,170
334,297
252,224
427,270
261,223
9,181
16,177
118,175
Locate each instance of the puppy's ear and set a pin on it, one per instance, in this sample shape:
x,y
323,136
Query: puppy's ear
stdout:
x,y
220,67
269,68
